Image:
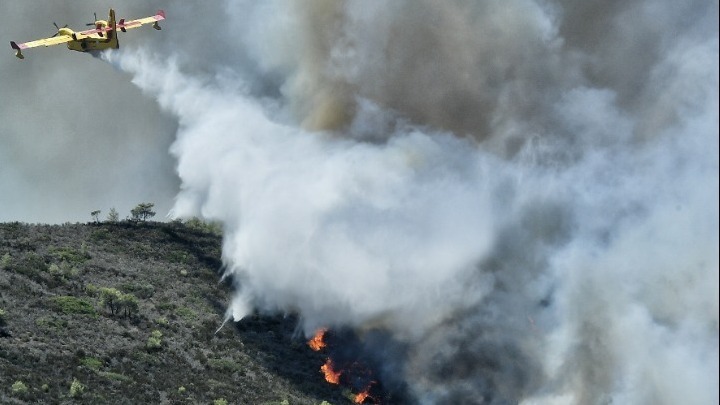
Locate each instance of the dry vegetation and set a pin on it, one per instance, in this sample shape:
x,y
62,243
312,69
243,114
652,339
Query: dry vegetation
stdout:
x,y
61,341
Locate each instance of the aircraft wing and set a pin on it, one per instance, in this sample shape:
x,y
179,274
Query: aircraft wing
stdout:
x,y
126,25
60,39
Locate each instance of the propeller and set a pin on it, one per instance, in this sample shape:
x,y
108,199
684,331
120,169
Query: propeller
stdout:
x,y
58,29
92,23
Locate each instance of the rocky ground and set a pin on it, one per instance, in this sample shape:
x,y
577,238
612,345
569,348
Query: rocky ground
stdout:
x,y
127,313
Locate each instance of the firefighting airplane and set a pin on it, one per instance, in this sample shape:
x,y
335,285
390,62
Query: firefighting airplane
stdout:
x,y
103,36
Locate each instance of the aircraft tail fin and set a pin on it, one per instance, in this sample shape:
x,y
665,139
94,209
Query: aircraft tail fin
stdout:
x,y
112,34
111,19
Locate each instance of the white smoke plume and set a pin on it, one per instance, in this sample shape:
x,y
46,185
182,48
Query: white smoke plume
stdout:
x,y
525,193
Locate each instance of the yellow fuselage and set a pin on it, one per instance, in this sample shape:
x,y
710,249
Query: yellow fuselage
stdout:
x,y
107,41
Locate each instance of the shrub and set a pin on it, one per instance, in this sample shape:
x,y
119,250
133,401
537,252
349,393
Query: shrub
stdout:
x,y
154,342
141,290
224,365
2,317
63,270
72,305
186,313
91,289
19,388
31,264
196,223
115,376
54,270
92,362
70,255
76,388
100,234
220,401
5,261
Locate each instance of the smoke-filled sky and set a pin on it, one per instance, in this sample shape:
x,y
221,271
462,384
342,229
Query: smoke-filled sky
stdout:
x,y
524,194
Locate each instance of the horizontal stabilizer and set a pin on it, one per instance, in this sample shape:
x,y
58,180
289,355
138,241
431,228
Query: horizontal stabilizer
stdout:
x,y
18,50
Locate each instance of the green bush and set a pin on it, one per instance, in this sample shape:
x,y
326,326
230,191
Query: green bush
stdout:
x,y
220,401
91,289
224,365
100,234
51,322
142,290
214,228
92,362
63,270
76,388
186,313
31,264
69,255
19,388
5,261
115,376
154,342
71,305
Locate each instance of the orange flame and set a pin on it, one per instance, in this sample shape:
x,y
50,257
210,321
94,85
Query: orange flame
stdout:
x,y
331,376
359,398
317,342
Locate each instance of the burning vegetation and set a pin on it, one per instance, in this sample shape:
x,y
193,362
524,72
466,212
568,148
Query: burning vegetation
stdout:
x,y
352,374
331,376
317,343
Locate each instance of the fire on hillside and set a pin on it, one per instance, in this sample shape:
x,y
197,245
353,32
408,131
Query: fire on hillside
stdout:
x,y
352,374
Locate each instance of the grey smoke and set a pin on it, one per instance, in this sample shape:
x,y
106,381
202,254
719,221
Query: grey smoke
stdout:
x,y
523,193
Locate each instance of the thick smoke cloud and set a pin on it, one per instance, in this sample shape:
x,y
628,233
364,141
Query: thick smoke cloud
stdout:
x,y
523,194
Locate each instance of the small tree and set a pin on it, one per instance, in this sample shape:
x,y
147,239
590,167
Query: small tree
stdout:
x,y
142,212
111,298
95,215
129,304
113,215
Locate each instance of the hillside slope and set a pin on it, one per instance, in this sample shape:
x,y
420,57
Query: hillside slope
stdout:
x,y
127,313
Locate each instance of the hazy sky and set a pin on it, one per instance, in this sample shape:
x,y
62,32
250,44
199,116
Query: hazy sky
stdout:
x,y
523,194
76,135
